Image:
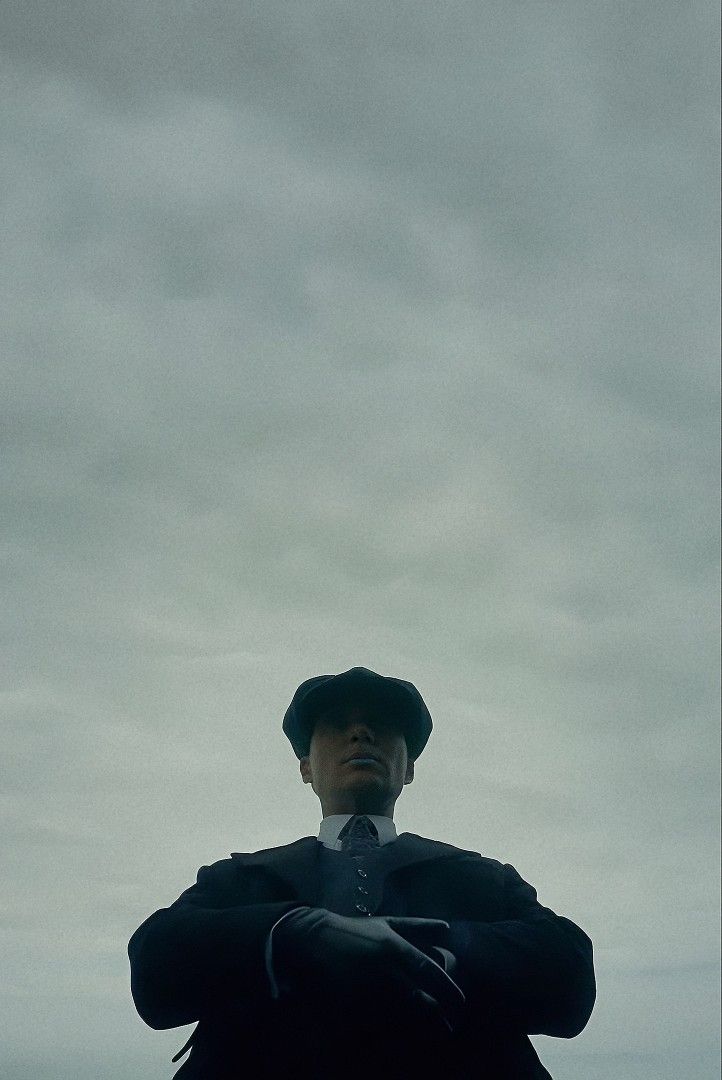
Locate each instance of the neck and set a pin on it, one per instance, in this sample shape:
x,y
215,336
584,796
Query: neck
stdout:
x,y
384,810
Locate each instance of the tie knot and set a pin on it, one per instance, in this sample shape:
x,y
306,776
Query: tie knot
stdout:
x,y
359,834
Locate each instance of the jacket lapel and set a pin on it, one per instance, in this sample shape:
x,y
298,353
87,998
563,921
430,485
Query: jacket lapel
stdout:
x,y
297,864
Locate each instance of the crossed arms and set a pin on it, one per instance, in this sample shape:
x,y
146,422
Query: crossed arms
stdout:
x,y
533,969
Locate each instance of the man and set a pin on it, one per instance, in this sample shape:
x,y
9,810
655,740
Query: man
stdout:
x,y
361,953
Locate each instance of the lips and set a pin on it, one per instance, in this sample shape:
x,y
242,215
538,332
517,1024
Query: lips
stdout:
x,y
361,756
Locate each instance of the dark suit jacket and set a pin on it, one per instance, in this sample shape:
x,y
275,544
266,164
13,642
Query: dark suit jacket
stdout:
x,y
524,970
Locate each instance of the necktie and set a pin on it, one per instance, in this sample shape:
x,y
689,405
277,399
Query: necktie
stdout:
x,y
358,835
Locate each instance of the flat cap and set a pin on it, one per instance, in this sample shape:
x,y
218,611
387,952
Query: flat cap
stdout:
x,y
320,693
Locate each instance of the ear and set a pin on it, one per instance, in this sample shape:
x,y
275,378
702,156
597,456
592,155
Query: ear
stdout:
x,y
305,768
409,772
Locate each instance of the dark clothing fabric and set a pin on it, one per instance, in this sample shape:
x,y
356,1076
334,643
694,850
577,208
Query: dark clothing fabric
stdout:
x,y
524,969
351,885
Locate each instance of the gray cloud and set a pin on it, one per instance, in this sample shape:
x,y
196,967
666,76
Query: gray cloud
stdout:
x,y
374,335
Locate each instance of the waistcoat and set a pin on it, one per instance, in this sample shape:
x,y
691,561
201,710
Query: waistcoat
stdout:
x,y
352,884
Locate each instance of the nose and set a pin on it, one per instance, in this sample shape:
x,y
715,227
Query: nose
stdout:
x,y
361,729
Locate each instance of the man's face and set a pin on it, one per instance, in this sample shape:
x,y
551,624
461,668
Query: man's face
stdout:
x,y
358,761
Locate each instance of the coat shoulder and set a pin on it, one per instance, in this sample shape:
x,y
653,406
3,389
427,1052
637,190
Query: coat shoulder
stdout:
x,y
228,875
297,847
217,874
440,849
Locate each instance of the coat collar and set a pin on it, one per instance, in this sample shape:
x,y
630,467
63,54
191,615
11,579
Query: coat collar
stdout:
x,y
293,862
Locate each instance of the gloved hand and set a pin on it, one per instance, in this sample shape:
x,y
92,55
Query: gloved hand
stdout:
x,y
337,959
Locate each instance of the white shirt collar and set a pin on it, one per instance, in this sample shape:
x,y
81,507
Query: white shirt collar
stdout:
x,y
331,826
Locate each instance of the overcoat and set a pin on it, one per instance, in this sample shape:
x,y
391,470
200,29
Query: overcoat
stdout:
x,y
524,970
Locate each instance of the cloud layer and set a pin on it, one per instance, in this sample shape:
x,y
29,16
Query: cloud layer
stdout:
x,y
373,335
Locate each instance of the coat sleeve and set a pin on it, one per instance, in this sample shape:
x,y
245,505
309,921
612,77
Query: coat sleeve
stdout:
x,y
531,971
207,948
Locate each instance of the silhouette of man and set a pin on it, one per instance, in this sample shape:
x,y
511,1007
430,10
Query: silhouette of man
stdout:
x,y
361,952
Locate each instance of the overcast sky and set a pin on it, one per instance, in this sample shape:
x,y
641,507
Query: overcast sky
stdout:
x,y
377,334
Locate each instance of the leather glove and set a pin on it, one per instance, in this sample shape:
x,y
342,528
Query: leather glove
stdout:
x,y
338,958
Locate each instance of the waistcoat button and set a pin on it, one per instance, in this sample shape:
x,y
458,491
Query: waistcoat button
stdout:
x,y
361,873
361,907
